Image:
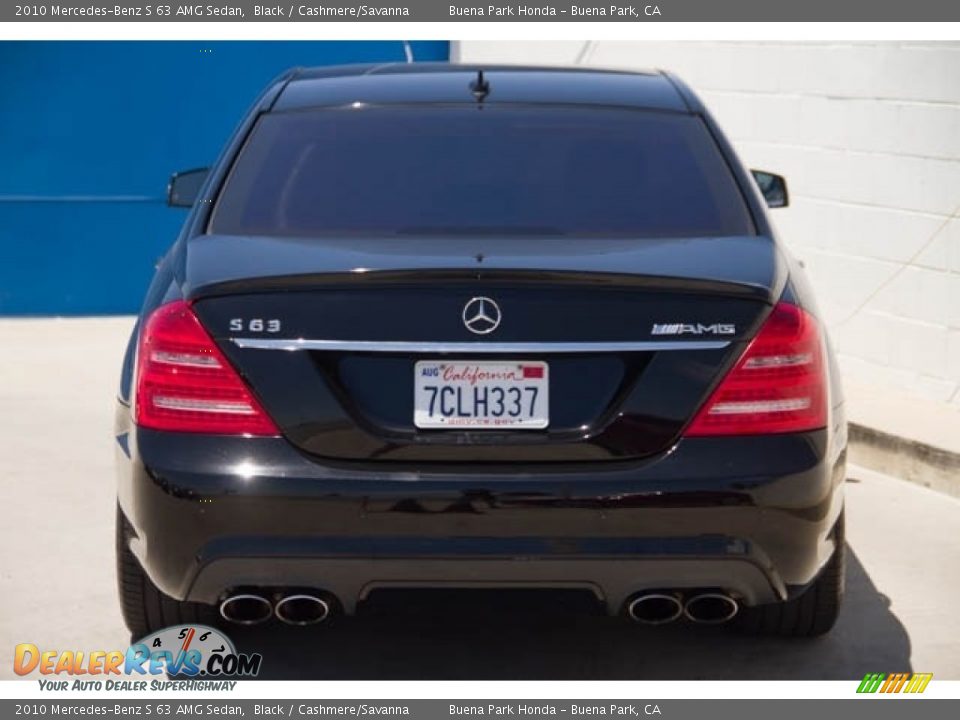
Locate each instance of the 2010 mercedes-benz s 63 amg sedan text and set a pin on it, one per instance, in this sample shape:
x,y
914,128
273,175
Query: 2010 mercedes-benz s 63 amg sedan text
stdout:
x,y
440,326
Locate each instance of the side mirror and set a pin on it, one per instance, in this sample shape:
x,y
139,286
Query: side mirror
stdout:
x,y
184,187
772,187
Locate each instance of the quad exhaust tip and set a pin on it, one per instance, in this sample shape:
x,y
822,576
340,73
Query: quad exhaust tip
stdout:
x,y
705,608
655,608
296,609
246,609
710,608
302,610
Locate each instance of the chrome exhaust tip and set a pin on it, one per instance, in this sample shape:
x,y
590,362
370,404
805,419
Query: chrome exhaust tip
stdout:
x,y
654,608
302,610
711,608
246,609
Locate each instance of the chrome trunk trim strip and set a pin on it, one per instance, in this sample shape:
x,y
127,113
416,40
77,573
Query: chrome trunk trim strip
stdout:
x,y
475,348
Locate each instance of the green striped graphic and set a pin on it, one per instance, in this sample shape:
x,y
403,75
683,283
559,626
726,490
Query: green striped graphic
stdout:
x,y
871,682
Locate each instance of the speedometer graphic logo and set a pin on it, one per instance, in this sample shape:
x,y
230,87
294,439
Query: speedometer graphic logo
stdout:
x,y
192,650
189,650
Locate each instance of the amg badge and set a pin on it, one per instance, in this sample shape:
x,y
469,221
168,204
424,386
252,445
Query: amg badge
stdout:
x,y
695,329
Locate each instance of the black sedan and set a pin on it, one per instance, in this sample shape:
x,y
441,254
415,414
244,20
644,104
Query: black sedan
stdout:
x,y
440,326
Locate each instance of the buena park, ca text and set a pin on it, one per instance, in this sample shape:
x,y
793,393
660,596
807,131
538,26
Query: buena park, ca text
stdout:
x,y
528,11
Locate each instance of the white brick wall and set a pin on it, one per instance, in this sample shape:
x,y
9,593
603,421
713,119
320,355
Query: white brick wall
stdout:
x,y
868,136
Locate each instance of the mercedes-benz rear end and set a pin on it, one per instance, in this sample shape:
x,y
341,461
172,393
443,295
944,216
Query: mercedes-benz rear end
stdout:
x,y
428,327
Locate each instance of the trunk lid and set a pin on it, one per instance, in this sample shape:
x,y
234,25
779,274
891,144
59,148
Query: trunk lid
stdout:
x,y
690,303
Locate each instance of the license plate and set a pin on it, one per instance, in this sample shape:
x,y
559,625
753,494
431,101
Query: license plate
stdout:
x,y
506,394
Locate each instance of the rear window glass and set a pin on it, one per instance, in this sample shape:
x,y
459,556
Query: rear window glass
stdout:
x,y
468,170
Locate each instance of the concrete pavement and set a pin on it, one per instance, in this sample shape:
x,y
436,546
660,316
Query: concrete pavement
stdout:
x,y
911,437
57,383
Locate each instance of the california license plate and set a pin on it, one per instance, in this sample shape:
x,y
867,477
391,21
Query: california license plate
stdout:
x,y
506,394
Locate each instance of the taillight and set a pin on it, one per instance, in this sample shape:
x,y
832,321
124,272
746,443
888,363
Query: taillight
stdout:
x,y
777,386
184,382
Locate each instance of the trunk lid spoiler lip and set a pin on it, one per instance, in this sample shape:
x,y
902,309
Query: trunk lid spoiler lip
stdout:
x,y
749,267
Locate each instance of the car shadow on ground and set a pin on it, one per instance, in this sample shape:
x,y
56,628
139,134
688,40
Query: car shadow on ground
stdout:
x,y
478,635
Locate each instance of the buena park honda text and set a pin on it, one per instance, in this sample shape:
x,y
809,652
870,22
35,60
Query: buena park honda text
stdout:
x,y
443,326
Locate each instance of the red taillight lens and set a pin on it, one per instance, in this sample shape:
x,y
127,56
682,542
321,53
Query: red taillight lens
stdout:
x,y
184,382
777,386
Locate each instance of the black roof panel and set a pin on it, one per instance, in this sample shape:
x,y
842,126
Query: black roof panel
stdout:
x,y
450,83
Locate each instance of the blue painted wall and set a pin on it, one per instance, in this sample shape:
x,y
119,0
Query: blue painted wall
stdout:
x,y
90,132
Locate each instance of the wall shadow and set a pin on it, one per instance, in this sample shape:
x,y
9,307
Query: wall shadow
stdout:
x,y
476,635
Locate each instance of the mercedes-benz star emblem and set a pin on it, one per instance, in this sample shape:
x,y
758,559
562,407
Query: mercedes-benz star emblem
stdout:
x,y
481,315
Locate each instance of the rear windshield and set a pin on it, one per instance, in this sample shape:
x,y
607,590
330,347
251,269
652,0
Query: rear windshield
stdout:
x,y
468,170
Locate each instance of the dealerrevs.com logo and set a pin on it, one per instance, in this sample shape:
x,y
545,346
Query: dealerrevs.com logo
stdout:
x,y
189,651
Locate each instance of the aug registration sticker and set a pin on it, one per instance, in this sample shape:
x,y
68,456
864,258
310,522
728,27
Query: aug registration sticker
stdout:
x,y
500,395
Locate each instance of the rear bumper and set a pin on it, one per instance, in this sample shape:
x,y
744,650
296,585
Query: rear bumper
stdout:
x,y
753,516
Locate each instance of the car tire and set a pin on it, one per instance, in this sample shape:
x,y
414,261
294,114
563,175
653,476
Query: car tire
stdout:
x,y
145,608
810,614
